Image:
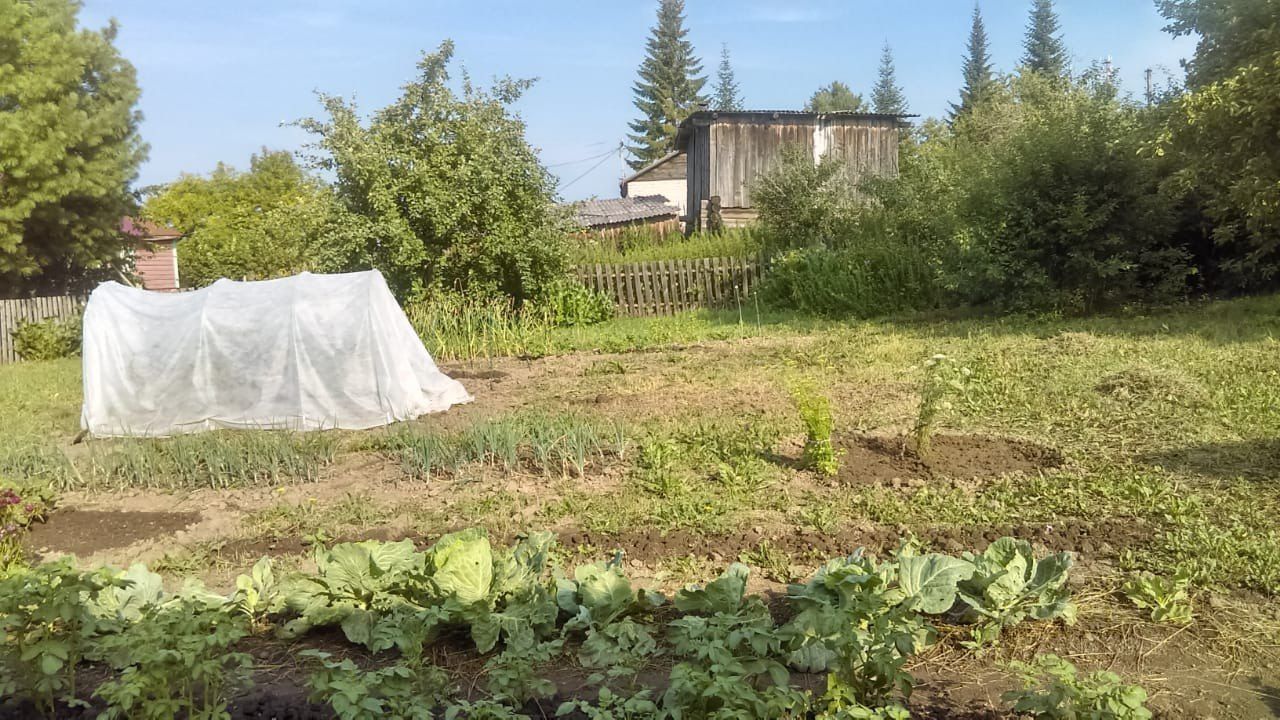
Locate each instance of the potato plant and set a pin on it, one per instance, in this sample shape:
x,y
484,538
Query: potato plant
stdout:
x,y
858,620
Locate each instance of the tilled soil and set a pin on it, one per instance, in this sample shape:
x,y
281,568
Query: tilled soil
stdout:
x,y
84,532
871,459
1101,539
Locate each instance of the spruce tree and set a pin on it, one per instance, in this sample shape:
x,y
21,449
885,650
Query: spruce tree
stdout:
x,y
726,96
977,67
669,88
887,96
1045,52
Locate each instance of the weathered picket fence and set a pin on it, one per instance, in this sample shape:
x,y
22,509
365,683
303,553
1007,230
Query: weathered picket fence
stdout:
x,y
666,287
15,312
656,287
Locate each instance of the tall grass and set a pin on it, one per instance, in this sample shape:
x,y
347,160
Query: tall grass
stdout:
x,y
638,246
457,327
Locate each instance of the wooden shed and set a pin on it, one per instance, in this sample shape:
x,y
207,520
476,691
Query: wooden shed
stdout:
x,y
664,176
727,152
155,254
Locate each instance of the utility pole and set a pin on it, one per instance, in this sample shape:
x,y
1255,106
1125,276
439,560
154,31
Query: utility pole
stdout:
x,y
1150,90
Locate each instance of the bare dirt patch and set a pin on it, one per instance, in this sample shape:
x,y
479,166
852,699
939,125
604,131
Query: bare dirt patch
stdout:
x,y
874,459
84,532
1101,539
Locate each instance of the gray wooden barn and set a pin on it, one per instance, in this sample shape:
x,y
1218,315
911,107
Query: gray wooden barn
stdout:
x,y
726,152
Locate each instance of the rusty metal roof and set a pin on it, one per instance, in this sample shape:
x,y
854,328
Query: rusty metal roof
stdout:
x,y
598,213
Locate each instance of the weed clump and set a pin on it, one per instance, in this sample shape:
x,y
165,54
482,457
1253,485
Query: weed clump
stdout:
x,y
943,379
815,411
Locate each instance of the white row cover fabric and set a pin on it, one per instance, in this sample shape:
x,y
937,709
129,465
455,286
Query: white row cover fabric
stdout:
x,y
309,352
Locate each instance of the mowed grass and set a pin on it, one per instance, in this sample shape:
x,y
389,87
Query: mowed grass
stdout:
x,y
1168,422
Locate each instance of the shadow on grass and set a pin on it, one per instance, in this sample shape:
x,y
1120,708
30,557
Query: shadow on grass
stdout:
x,y
1257,459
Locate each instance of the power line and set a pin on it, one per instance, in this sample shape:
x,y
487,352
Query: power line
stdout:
x,y
610,151
593,167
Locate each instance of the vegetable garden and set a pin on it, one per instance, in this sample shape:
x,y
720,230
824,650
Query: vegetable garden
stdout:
x,y
721,518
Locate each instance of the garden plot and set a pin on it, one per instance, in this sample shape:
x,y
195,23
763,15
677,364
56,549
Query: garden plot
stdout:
x,y
1138,445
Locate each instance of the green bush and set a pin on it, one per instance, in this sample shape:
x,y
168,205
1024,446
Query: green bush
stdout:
x,y
48,339
856,281
571,303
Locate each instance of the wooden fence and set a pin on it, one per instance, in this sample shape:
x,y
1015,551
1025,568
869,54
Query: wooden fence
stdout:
x,y
656,287
15,312
666,287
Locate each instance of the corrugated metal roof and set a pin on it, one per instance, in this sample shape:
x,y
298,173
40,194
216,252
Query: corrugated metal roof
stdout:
x,y
596,213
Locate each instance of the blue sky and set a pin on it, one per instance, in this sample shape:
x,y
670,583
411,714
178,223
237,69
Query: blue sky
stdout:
x,y
219,78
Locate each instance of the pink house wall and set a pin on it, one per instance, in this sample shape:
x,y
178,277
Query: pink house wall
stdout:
x,y
156,264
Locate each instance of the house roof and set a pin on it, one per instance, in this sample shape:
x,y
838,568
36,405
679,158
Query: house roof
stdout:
x,y
597,213
148,230
708,116
650,166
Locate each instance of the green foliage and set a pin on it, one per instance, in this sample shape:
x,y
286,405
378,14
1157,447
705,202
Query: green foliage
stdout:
x,y
1054,690
815,412
639,244
1009,585
1168,598
731,650
46,627
977,70
270,221
399,691
571,303
20,506
669,88
175,661
611,706
1093,233
440,189
887,96
802,203
1045,53
726,95
1220,136
72,148
836,97
517,675
257,594
943,380
862,280
48,339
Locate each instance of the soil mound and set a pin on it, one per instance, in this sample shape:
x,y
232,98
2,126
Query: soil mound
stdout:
x,y
870,459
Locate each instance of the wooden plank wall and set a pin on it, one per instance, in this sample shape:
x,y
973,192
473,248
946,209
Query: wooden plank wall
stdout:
x,y
666,287
15,312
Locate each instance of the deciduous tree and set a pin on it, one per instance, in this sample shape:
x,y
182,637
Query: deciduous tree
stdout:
x,y
836,97
441,190
69,148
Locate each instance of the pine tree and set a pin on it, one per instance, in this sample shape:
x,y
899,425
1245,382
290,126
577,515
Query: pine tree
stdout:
x,y
726,96
1045,52
669,88
977,67
887,96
